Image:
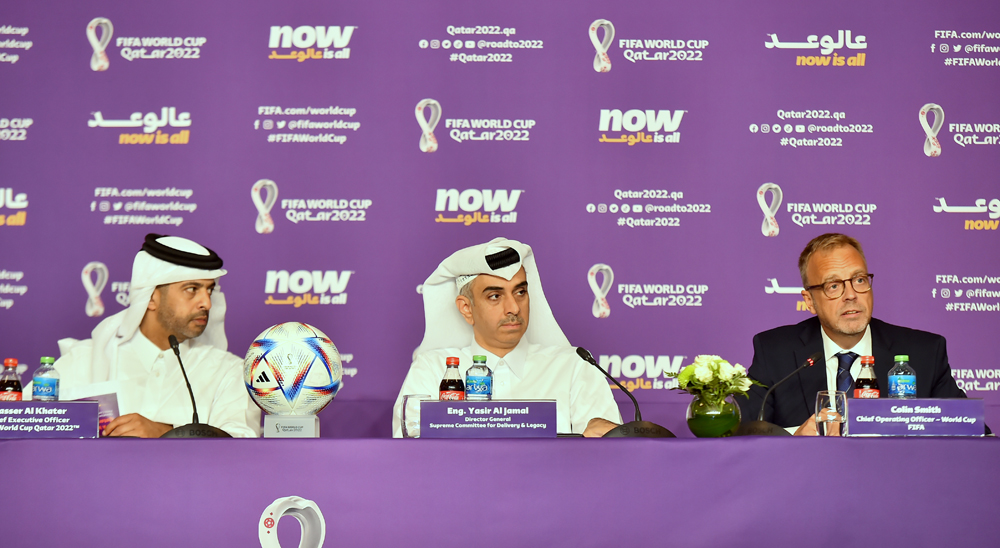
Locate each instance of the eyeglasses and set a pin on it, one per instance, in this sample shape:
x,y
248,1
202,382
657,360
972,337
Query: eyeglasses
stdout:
x,y
834,289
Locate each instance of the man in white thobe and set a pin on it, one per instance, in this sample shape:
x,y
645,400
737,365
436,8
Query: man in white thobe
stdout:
x,y
477,303
173,292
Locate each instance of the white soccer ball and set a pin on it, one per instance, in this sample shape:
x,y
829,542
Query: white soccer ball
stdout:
x,y
292,369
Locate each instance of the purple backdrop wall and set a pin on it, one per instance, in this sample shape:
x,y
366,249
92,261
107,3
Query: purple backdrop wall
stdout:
x,y
714,100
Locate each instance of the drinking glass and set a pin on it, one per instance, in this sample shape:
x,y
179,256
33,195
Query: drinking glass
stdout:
x,y
411,414
831,413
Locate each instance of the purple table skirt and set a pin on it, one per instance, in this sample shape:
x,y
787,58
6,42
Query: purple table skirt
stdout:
x,y
563,492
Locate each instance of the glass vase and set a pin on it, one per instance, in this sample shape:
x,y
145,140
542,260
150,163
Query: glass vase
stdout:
x,y
713,420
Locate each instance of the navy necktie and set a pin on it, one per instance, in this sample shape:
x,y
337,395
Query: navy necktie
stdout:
x,y
844,380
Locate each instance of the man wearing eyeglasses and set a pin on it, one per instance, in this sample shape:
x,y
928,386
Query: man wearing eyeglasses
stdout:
x,y
838,289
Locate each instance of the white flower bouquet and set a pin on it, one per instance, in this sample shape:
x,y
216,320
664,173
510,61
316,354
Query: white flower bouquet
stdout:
x,y
712,379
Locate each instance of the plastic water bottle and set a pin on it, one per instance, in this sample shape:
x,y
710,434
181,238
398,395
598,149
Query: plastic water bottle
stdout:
x,y
45,384
902,379
479,380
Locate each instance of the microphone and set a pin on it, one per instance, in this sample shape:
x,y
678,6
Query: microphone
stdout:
x,y
177,352
195,429
760,427
637,428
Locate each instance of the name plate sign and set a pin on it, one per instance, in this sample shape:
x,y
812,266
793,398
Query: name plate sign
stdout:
x,y
918,417
488,419
291,426
64,419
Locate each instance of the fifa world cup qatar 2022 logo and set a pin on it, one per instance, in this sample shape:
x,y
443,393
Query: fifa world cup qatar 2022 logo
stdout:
x,y
307,513
95,306
602,63
99,60
601,308
264,223
770,225
932,147
428,143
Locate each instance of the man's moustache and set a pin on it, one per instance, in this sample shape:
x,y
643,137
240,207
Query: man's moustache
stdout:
x,y
512,320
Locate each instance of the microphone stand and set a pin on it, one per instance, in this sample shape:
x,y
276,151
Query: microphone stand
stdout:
x,y
637,428
195,429
760,427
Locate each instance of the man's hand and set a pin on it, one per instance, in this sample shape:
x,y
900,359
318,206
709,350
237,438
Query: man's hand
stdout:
x,y
597,427
136,425
808,428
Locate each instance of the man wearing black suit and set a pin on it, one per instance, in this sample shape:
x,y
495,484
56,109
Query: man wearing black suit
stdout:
x,y
838,289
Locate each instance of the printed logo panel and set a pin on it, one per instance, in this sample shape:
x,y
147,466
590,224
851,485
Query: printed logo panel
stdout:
x,y
307,287
480,206
479,45
310,43
641,209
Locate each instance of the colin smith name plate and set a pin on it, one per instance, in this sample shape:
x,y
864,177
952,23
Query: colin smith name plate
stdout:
x,y
488,419
918,417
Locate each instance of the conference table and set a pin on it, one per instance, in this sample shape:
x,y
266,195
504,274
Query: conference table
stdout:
x,y
750,491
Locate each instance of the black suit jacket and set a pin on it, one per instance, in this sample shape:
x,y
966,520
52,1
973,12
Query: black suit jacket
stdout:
x,y
779,351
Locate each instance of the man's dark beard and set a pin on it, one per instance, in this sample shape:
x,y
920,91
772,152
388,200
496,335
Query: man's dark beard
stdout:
x,y
180,326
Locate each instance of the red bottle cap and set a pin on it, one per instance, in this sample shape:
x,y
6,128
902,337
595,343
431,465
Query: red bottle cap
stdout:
x,y
867,360
10,362
449,361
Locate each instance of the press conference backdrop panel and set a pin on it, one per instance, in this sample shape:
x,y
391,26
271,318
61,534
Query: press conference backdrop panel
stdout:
x,y
688,151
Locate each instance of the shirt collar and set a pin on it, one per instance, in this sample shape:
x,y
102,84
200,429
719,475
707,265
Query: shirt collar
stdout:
x,y
516,359
831,349
148,353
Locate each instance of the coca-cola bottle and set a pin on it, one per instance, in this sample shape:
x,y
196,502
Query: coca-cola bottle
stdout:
x,y
10,381
866,386
452,387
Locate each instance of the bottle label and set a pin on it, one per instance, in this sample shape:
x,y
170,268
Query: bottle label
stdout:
x,y
45,387
903,386
478,386
451,395
10,396
866,393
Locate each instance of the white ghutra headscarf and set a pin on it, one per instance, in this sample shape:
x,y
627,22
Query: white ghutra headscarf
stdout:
x,y
444,326
162,260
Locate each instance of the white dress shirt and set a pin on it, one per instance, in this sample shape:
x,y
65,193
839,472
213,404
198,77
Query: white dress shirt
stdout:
x,y
151,384
528,372
831,349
